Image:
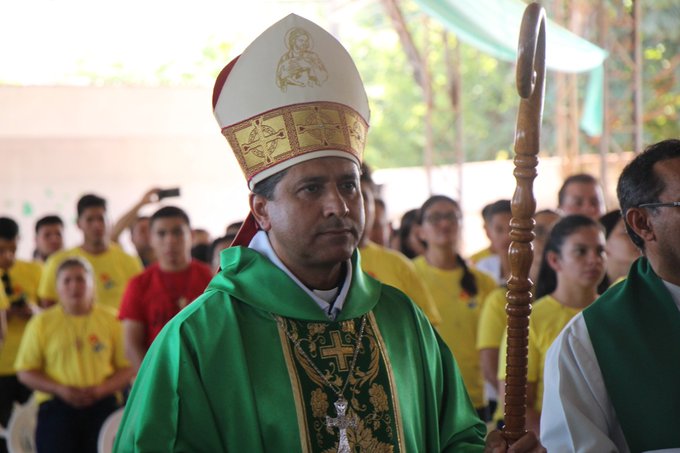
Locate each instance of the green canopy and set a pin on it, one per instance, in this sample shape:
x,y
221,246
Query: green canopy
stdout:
x,y
492,26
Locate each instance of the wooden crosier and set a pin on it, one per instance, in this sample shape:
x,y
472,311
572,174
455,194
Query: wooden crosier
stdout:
x,y
531,88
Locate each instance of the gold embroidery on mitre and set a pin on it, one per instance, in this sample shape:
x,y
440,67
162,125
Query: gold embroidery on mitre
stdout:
x,y
299,66
266,140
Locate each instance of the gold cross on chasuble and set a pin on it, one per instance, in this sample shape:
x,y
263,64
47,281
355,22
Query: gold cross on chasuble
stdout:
x,y
338,351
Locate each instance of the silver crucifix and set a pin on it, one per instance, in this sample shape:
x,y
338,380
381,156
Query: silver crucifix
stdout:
x,y
342,422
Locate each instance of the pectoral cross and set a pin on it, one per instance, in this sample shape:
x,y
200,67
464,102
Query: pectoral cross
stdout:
x,y
342,422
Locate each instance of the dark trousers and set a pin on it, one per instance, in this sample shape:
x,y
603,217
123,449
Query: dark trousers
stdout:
x,y
66,429
11,390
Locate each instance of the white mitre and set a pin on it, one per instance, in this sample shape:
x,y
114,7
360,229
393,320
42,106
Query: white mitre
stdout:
x,y
293,95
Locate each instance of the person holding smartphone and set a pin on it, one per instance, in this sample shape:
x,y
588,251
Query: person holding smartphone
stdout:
x,y
138,227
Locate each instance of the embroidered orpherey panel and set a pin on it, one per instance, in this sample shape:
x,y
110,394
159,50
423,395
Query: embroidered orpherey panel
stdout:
x,y
284,133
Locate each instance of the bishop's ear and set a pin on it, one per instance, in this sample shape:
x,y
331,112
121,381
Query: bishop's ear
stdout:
x,y
258,206
640,221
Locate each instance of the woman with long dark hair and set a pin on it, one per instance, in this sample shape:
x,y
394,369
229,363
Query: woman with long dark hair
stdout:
x,y
458,290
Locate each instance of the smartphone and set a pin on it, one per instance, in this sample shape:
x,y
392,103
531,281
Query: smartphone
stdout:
x,y
167,193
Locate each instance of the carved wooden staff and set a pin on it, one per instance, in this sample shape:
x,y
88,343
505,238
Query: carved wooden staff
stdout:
x,y
530,85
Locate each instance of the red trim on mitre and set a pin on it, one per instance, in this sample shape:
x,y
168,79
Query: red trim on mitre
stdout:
x,y
221,79
246,232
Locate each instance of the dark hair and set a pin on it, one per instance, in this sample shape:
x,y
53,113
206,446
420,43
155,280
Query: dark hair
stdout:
x,y
546,211
233,226
380,202
266,187
468,282
639,183
563,228
137,220
228,238
170,212
432,200
9,229
48,220
583,178
609,221
201,252
366,175
409,219
75,261
497,207
90,201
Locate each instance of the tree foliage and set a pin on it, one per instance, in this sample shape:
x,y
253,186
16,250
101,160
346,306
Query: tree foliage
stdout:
x,y
396,137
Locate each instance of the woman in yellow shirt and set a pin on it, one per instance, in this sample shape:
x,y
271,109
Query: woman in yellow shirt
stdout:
x,y
573,264
458,291
72,356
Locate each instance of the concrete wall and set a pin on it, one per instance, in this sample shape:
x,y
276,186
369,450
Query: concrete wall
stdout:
x,y
57,143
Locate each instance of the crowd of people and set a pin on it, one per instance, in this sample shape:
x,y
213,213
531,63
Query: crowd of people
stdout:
x,y
314,325
78,355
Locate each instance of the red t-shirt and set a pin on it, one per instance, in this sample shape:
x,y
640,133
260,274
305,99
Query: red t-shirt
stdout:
x,y
155,296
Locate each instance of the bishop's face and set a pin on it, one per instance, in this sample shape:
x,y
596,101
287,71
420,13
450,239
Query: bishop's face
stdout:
x,y
316,216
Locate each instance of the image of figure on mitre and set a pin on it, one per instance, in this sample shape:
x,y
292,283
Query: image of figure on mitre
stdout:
x,y
300,66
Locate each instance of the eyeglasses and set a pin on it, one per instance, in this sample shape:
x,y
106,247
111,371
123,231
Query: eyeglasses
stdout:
x,y
437,217
670,204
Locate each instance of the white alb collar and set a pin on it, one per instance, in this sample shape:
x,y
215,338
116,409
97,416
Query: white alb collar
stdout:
x,y
260,243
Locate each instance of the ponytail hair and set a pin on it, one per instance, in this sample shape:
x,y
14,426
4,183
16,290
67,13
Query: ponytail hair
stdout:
x,y
468,282
565,227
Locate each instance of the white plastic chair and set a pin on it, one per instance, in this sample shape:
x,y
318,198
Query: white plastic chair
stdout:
x,y
107,433
20,432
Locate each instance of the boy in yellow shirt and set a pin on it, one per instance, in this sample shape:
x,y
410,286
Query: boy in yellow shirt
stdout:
x,y
72,356
112,266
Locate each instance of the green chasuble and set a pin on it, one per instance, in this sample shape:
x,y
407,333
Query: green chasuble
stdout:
x,y
225,376
635,331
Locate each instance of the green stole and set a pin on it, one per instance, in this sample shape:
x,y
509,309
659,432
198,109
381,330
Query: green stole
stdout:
x,y
635,331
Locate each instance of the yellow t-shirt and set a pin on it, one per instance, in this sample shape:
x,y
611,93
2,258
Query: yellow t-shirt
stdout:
x,y
492,320
460,316
79,351
548,318
475,257
4,301
112,270
24,277
394,269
